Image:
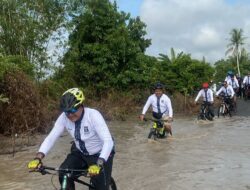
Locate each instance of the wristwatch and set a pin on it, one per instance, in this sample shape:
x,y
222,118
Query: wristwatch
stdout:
x,y
100,162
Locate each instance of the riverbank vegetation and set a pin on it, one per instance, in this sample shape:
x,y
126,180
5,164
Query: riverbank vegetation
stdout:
x,y
104,54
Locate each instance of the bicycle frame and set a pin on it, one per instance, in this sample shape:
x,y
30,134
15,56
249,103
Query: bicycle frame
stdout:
x,y
247,92
204,113
69,173
224,108
157,130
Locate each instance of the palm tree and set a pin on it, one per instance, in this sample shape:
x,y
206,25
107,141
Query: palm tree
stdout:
x,y
171,59
234,47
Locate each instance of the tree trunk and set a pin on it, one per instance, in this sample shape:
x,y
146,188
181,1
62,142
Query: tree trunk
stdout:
x,y
238,65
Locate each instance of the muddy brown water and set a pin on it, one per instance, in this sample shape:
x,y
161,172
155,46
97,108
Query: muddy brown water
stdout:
x,y
200,156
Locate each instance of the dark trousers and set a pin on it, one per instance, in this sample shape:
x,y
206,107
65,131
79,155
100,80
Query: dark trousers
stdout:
x,y
209,107
76,160
157,115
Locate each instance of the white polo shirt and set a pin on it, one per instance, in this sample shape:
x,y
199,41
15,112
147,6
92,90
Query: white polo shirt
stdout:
x,y
94,132
165,105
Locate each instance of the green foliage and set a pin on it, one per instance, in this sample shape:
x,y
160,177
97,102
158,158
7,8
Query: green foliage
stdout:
x,y
28,26
221,68
16,62
3,99
182,73
104,50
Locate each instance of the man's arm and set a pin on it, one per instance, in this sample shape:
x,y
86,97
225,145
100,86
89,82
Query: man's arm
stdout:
x,y
198,96
103,132
219,91
50,140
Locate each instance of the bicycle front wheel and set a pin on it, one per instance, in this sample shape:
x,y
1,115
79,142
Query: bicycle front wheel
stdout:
x,y
112,185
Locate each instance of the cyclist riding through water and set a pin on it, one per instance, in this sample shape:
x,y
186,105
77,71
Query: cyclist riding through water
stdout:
x,y
93,146
161,105
208,98
246,83
235,84
228,91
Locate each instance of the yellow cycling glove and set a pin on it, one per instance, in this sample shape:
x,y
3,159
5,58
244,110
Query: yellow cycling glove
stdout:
x,y
94,170
34,164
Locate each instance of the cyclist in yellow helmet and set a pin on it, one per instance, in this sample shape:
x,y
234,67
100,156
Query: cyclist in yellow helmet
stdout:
x,y
93,146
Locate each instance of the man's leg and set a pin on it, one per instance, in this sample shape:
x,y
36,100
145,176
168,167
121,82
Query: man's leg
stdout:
x,y
73,161
102,181
211,109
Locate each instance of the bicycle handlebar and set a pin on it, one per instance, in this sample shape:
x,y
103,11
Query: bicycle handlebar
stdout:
x,y
82,172
157,120
44,170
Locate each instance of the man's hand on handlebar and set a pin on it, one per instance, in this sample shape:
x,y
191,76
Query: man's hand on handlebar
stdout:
x,y
35,164
141,117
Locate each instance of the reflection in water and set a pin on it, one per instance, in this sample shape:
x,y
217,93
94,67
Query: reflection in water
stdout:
x,y
200,155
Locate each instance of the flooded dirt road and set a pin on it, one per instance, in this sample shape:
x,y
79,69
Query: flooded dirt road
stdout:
x,y
200,156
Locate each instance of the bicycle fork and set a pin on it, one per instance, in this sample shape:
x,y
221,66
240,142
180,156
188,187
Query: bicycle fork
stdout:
x,y
64,183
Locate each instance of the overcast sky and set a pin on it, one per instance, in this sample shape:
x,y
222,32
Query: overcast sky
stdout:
x,y
198,27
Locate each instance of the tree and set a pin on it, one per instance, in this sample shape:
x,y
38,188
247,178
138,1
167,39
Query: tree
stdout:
x,y
27,27
173,57
234,47
105,48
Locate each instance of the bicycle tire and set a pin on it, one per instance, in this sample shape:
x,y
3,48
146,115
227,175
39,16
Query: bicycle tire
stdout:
x,y
219,111
151,133
163,135
209,116
112,185
229,112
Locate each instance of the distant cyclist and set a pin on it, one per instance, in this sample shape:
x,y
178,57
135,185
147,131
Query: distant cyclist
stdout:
x,y
246,80
227,91
234,83
229,75
161,105
93,146
240,81
207,95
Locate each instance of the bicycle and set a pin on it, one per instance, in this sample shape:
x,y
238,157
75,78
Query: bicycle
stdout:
x,y
225,107
157,130
247,93
69,173
205,113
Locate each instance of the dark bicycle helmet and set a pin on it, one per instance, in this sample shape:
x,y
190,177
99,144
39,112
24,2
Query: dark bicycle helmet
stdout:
x,y
71,98
230,73
158,85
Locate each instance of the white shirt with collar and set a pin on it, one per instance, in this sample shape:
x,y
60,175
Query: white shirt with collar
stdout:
x,y
228,91
246,80
94,132
165,105
202,93
233,82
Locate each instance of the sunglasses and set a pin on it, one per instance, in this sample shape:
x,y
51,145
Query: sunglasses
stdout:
x,y
72,111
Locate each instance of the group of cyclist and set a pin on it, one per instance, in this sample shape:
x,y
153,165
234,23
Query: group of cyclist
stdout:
x,y
233,86
93,146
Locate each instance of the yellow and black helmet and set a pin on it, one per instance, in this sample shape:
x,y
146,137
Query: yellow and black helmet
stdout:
x,y
72,98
